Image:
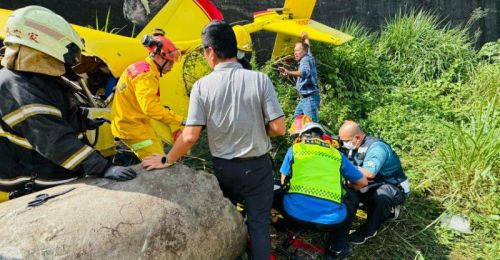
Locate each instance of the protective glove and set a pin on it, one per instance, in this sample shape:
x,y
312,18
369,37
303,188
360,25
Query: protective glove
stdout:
x,y
120,173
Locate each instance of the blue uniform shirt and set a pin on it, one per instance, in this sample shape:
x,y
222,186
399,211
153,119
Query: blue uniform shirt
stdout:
x,y
307,83
381,161
316,210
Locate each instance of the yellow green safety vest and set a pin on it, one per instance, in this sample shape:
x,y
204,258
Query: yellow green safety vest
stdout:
x,y
316,170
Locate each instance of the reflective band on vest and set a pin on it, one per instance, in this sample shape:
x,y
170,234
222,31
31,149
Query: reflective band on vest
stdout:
x,y
316,170
142,144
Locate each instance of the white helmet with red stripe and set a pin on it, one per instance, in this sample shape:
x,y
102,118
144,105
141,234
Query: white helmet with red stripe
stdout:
x,y
43,30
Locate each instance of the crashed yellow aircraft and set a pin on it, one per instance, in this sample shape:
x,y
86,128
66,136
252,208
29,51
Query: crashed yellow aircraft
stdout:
x,y
182,20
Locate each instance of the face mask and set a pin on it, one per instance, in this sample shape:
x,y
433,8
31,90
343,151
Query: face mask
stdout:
x,y
349,145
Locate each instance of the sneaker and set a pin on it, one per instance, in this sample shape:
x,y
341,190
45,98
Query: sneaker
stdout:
x,y
359,237
395,212
334,254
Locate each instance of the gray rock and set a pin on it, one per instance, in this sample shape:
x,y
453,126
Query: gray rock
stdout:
x,y
456,222
176,213
140,12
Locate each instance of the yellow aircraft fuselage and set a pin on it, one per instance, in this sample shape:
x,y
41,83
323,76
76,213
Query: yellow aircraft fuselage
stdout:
x,y
183,20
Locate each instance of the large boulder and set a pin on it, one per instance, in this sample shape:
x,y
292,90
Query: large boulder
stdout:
x,y
140,12
177,213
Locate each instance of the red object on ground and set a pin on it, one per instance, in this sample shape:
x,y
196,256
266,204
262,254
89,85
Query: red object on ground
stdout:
x,y
308,247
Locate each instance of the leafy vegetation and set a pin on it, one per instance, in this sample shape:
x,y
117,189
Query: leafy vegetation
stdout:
x,y
421,86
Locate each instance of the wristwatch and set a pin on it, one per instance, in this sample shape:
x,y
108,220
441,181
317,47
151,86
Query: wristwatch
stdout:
x,y
164,161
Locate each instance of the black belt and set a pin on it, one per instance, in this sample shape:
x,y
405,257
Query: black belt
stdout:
x,y
247,158
307,95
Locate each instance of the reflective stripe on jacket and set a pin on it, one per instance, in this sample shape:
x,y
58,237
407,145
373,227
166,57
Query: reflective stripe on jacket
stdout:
x,y
40,117
316,170
137,101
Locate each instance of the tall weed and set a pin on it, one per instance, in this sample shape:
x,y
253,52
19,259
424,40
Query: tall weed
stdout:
x,y
490,52
417,47
471,155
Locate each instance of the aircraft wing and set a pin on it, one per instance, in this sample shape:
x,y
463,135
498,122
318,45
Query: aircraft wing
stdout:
x,y
289,31
315,30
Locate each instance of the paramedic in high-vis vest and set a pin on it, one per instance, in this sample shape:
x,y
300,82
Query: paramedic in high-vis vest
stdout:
x,y
316,197
388,185
40,118
137,98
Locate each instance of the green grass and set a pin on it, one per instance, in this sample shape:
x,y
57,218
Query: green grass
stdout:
x,y
420,85
417,47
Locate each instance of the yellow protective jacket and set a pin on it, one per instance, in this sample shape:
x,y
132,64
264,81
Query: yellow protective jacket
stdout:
x,y
137,101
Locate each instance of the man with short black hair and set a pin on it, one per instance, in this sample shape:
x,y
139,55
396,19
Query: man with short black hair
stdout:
x,y
307,79
240,111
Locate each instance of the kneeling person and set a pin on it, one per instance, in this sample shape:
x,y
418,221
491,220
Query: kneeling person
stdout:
x,y
316,196
388,186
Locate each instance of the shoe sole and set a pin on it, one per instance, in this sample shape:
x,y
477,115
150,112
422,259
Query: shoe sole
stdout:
x,y
364,241
397,210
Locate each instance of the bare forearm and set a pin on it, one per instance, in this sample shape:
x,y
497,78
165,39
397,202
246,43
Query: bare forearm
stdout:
x,y
294,73
359,184
366,173
184,143
356,186
306,41
180,149
276,127
305,38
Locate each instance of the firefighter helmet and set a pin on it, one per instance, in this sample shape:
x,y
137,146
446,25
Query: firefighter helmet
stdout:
x,y
298,124
159,44
43,30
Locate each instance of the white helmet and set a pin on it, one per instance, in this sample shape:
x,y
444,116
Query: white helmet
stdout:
x,y
43,30
310,126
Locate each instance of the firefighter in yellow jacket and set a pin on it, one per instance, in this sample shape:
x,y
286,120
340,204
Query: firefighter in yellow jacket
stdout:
x,y
137,98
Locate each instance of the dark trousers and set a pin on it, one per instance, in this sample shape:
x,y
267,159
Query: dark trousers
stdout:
x,y
251,181
379,201
337,233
